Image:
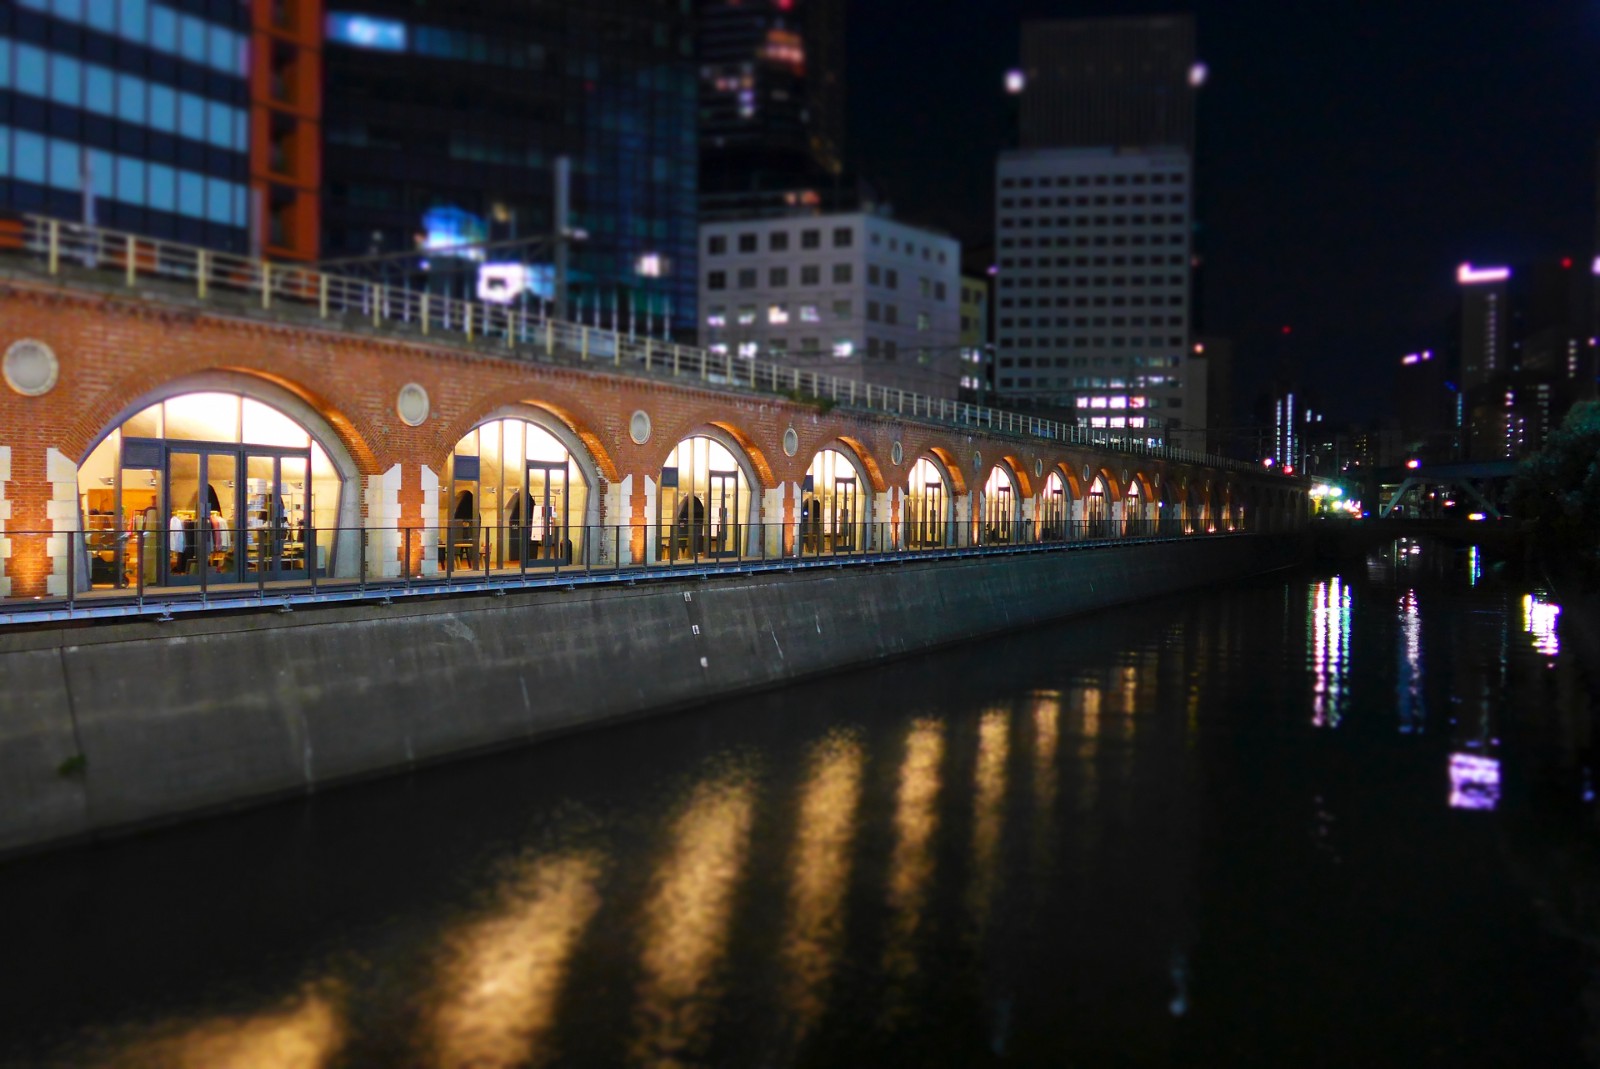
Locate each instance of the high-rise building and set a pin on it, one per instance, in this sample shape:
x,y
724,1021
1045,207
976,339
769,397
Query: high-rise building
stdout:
x,y
1118,82
134,114
286,127
858,296
975,346
1094,225
772,108
1092,301
444,124
1525,355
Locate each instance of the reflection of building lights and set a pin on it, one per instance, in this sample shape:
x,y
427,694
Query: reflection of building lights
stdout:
x,y
1409,686
650,265
1330,646
1474,781
1539,618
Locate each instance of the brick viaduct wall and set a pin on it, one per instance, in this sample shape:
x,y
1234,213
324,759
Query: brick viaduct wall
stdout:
x,y
117,353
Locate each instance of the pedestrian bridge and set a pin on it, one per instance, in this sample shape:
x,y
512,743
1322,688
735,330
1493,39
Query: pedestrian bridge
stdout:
x,y
182,428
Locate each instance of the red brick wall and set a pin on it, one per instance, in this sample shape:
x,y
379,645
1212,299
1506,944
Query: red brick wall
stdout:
x,y
114,350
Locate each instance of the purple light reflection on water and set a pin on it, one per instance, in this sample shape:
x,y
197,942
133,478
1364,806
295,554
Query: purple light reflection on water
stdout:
x,y
1474,782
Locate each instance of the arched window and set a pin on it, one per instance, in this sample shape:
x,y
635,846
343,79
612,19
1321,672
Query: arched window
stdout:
x,y
927,506
1053,509
209,486
999,508
1097,511
835,506
704,506
516,496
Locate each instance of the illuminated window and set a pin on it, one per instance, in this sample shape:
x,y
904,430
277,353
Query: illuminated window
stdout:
x,y
844,348
778,314
810,313
747,314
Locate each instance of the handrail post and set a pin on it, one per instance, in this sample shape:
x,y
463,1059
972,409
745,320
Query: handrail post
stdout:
x,y
266,284
467,308
322,295
549,337
132,265
375,289
424,311
200,273
53,245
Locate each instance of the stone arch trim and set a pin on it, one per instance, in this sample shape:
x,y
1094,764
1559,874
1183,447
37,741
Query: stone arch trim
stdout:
x,y
949,467
268,391
1071,479
864,458
1020,475
545,419
139,391
552,399
717,433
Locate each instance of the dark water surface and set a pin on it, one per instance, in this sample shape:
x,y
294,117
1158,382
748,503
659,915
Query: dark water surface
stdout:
x,y
1325,819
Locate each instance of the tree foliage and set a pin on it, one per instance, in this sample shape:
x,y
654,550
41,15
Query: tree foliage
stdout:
x,y
1557,493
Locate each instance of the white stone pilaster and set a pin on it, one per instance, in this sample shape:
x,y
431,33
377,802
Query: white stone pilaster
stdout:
x,y
5,519
61,513
383,524
430,523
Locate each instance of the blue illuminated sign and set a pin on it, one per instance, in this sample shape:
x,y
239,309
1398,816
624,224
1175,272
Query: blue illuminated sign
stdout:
x,y
365,31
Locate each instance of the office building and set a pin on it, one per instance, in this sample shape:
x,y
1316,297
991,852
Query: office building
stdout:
x,y
134,114
858,296
1092,295
1525,355
1120,82
772,107
975,344
1094,223
444,125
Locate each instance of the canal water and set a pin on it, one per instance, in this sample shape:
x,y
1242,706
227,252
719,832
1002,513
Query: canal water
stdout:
x,y
1336,818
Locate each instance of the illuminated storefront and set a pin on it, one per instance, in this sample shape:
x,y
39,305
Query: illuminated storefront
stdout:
x,y
1054,509
704,505
518,497
835,506
1000,509
212,486
927,511
1097,510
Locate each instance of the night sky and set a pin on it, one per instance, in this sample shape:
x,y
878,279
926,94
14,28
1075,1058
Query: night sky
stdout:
x,y
1351,155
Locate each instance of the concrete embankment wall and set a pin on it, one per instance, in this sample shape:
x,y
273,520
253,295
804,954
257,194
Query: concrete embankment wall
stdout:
x,y
184,717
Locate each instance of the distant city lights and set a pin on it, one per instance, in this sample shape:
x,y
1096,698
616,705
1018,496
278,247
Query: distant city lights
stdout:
x,y
1198,74
1016,82
1413,463
1468,275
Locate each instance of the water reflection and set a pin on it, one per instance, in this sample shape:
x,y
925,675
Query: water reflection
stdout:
x,y
1408,682
1330,651
1046,783
819,874
686,919
307,1033
1474,781
916,820
503,975
988,816
1539,619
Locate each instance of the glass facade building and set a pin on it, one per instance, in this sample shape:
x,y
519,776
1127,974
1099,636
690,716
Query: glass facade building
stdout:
x,y
442,126
135,110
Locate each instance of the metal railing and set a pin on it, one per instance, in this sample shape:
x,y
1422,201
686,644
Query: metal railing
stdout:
x,y
506,330
129,573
